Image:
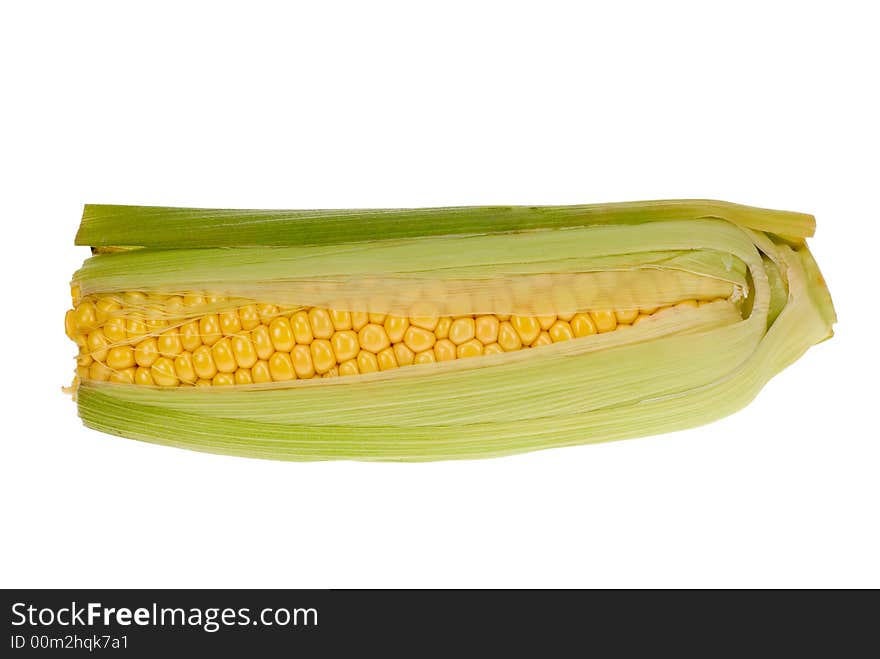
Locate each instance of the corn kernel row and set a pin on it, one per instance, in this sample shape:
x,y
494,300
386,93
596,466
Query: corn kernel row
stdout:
x,y
166,341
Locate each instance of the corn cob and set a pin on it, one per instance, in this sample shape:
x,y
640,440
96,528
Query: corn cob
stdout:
x,y
259,343
461,332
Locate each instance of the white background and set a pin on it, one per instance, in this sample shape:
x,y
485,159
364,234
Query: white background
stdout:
x,y
416,104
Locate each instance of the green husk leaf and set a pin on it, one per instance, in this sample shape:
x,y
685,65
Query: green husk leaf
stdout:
x,y
174,228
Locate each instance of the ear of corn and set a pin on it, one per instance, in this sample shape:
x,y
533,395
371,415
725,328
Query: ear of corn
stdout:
x,y
424,334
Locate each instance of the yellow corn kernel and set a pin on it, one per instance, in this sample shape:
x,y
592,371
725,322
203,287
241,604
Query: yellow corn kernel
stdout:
x,y
425,357
640,318
223,356
281,367
627,316
332,373
424,315
444,350
472,348
134,299
302,361
146,352
322,325
542,340
605,321
230,323
386,359
193,300
262,341
345,345
546,322
302,329
155,324
203,362
687,304
377,318
441,330
395,327
582,325
260,372
114,330
169,343
243,350
163,372
209,329
248,316
560,331
266,312
243,376
214,299
106,308
349,367
419,339
359,319
183,366
174,304
120,357
322,355
527,327
493,349
486,329
70,324
281,334
508,338
403,354
223,380
367,362
99,372
143,375
86,317
154,318
97,345
204,383
82,372
341,320
135,327
372,337
125,376
189,336
461,330
75,294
